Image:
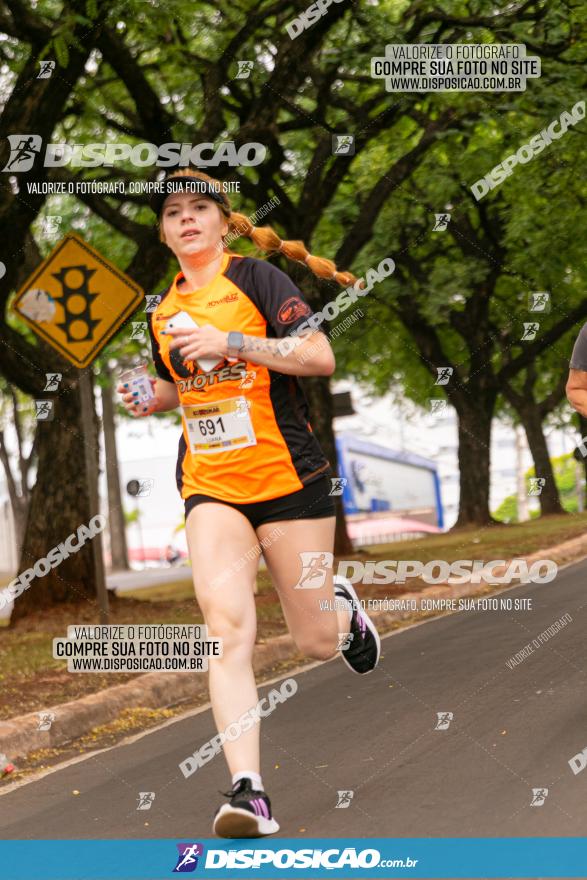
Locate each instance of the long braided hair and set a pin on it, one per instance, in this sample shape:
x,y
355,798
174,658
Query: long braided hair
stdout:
x,y
265,237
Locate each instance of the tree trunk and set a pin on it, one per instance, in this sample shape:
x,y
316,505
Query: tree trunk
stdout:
x,y
474,458
18,499
521,488
116,524
549,498
17,482
59,506
317,390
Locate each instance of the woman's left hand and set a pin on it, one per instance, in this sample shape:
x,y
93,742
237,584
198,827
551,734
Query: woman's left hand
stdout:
x,y
197,342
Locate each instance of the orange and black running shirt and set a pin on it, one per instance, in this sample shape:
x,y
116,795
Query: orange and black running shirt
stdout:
x,y
246,431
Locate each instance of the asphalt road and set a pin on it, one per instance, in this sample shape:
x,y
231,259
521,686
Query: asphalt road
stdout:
x,y
512,730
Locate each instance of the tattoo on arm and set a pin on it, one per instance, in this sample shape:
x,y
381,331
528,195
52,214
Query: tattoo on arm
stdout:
x,y
260,343
272,346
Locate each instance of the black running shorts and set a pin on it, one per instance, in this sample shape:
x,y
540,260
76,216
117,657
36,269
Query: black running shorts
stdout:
x,y
311,502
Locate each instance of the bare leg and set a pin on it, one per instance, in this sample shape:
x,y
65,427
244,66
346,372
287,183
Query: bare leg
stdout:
x,y
315,631
224,590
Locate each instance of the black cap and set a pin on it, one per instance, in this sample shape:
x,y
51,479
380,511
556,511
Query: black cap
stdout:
x,y
186,183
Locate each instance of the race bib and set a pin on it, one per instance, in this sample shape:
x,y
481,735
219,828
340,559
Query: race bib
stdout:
x,y
220,426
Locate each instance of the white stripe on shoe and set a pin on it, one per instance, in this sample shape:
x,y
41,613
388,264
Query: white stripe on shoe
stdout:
x,y
237,822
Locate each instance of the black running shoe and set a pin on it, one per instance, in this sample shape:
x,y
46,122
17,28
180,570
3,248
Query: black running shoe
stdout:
x,y
362,653
247,815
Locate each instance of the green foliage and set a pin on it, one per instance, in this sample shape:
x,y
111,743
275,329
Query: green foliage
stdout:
x,y
131,516
61,50
507,512
564,468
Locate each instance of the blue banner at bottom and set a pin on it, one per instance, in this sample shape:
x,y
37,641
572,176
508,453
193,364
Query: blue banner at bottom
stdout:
x,y
285,858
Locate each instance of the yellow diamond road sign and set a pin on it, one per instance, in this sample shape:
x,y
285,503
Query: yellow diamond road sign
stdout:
x,y
76,300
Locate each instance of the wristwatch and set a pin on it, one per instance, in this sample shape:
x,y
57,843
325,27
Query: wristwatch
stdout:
x,y
235,343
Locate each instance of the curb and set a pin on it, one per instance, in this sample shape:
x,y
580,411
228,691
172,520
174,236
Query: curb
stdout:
x,y
20,735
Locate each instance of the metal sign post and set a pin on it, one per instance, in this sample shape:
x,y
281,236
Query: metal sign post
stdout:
x,y
86,386
133,487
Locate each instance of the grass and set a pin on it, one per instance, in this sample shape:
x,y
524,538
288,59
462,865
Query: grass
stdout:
x,y
31,680
497,541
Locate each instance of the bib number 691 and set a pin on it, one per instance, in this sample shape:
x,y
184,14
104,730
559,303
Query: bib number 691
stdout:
x,y
207,426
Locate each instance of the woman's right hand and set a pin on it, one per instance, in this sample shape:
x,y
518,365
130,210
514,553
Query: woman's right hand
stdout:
x,y
129,398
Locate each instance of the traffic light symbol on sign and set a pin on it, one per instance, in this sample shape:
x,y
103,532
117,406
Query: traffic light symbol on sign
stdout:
x,y
70,297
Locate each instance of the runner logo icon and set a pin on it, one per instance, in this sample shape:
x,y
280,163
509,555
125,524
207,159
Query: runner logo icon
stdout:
x,y
23,150
187,859
314,568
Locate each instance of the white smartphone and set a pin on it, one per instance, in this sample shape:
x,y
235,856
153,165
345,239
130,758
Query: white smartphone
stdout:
x,y
183,321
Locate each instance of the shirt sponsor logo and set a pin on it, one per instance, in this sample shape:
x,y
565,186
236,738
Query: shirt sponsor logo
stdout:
x,y
199,381
229,298
292,309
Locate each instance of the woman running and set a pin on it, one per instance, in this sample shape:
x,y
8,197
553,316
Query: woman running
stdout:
x,y
250,470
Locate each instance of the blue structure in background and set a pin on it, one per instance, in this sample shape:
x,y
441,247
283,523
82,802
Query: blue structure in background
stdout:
x,y
357,456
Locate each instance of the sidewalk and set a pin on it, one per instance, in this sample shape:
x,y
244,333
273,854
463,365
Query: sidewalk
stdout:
x,y
123,581
134,579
